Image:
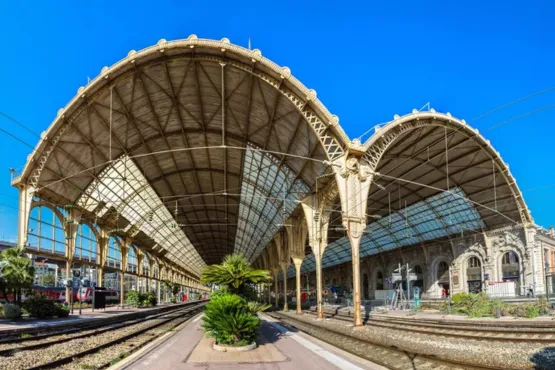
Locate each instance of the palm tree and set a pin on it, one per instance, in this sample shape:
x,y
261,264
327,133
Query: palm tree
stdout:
x,y
17,271
235,272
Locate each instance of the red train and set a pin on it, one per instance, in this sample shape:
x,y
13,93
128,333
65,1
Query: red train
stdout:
x,y
59,294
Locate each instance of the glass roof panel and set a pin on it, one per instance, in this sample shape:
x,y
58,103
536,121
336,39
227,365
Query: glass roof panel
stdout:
x,y
438,216
266,184
123,187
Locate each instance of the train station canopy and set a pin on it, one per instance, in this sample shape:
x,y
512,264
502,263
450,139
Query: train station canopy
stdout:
x,y
200,148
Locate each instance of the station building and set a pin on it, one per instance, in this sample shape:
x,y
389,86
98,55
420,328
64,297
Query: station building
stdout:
x,y
189,150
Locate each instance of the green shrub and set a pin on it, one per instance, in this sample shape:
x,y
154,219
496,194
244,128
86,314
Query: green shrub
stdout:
x,y
228,319
1,311
151,300
61,310
40,306
133,298
479,305
543,306
531,311
219,292
11,311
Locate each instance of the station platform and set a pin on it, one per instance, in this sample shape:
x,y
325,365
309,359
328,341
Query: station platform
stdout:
x,y
87,315
280,348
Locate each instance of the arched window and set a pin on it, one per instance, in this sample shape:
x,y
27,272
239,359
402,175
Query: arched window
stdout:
x,y
45,231
379,280
509,258
113,255
146,264
132,263
86,245
443,272
419,282
474,275
474,262
510,266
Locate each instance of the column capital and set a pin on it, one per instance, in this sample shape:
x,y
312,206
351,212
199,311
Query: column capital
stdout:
x,y
296,237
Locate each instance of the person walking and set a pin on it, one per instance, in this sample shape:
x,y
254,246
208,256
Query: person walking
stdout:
x,y
531,290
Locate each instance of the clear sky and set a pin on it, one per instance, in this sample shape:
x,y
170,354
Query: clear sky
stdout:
x,y
366,62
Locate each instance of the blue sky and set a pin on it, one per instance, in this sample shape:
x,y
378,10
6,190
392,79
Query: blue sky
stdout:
x,y
366,62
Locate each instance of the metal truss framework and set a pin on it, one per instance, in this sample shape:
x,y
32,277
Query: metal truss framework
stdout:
x,y
195,148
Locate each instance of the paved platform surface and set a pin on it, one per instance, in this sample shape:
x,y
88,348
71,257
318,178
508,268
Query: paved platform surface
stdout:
x,y
281,349
87,314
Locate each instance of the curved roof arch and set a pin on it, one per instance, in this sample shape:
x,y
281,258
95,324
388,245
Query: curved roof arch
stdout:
x,y
322,121
468,148
436,178
212,130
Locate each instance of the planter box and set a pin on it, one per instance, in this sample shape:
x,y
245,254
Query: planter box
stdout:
x,y
224,348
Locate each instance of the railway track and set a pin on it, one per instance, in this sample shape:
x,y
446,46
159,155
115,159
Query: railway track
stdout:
x,y
388,356
477,331
510,332
71,326
94,348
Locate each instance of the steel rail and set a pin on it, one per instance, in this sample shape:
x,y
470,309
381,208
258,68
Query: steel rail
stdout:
x,y
186,314
105,327
83,324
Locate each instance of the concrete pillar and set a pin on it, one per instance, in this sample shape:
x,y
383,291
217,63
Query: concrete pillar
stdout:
x,y
536,264
298,262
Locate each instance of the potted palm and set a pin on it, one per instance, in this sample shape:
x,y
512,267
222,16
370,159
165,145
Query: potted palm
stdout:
x,y
231,316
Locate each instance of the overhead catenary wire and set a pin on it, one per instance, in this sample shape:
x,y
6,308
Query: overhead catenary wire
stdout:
x,y
503,106
110,144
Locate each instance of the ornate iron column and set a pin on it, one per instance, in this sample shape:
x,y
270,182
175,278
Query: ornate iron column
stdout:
x,y
354,177
296,237
317,218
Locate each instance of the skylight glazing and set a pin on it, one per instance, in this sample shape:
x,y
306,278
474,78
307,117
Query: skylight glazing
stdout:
x,y
436,217
262,212
123,186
